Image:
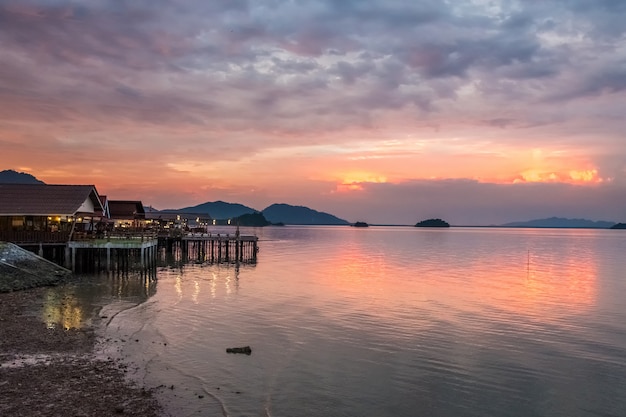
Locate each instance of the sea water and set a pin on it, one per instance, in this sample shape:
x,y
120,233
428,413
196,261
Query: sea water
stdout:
x,y
390,321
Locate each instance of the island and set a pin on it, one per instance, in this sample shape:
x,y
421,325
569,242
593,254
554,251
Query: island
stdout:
x,y
619,226
252,219
432,223
558,222
360,224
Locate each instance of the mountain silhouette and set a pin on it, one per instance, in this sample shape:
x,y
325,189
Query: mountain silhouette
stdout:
x,y
217,209
276,213
288,214
9,176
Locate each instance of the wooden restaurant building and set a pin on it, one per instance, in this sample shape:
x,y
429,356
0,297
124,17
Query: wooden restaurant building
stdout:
x,y
69,224
127,213
47,214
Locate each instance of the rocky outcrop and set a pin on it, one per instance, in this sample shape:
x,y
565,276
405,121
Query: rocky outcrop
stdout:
x,y
21,269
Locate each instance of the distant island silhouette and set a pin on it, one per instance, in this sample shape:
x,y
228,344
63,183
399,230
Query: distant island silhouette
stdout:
x,y
252,219
619,226
288,214
360,224
432,223
558,222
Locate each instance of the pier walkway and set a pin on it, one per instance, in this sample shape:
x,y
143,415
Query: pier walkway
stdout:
x,y
215,248
112,251
137,249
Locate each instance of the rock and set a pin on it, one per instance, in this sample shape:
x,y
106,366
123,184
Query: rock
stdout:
x,y
245,350
21,269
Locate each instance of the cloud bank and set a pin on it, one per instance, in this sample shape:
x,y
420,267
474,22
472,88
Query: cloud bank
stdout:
x,y
179,103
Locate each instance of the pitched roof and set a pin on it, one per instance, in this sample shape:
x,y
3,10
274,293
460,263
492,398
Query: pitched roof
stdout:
x,y
126,209
45,199
105,206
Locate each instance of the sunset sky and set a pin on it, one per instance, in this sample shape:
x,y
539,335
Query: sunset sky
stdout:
x,y
386,111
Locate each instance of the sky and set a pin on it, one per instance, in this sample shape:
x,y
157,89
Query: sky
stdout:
x,y
385,111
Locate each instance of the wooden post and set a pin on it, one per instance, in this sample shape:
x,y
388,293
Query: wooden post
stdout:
x,y
108,257
68,260
73,259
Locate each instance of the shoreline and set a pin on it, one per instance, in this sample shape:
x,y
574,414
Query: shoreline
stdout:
x,y
49,371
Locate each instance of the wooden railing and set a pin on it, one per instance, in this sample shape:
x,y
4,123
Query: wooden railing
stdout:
x,y
116,234
34,237
23,237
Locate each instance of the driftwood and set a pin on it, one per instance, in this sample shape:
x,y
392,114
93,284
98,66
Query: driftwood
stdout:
x,y
245,350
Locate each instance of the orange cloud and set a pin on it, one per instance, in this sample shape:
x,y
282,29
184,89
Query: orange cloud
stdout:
x,y
349,187
589,176
354,181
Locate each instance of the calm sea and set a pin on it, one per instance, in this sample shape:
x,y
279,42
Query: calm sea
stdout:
x,y
387,321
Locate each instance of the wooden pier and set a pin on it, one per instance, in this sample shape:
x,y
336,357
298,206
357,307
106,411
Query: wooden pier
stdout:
x,y
120,251
214,248
140,250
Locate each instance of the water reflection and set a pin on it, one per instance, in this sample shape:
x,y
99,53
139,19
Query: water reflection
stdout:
x,y
394,322
463,277
135,286
571,279
73,305
64,309
197,281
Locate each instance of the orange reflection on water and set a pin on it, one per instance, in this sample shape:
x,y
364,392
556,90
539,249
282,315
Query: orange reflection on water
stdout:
x,y
548,284
568,283
352,267
370,280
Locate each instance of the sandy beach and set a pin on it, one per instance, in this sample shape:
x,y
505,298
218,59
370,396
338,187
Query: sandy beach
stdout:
x,y
51,371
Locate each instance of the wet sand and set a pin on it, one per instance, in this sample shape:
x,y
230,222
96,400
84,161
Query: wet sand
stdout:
x,y
50,371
